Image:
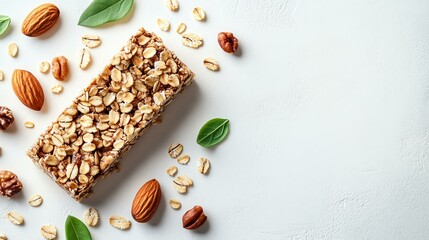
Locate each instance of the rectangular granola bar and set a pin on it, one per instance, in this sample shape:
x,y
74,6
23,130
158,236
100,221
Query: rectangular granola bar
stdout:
x,y
87,140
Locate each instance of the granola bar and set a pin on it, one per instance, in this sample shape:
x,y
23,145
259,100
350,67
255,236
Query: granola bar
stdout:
x,y
87,140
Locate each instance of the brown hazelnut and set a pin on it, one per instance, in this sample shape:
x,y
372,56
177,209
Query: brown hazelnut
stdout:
x,y
9,183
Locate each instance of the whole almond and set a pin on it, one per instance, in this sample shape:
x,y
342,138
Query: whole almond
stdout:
x,y
146,201
28,90
40,20
194,218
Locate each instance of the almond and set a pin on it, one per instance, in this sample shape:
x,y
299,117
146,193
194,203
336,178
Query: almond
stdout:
x,y
146,201
27,88
40,20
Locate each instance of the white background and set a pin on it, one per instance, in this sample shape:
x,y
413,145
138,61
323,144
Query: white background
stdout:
x,y
328,102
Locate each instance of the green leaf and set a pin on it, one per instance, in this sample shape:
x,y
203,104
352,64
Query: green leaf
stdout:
x,y
76,229
103,11
213,132
4,24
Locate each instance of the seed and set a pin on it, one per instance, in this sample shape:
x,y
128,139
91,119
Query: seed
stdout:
x,y
3,237
192,40
57,89
44,67
149,52
49,231
85,58
91,41
199,14
203,165
15,218
181,28
175,204
171,170
12,49
120,222
91,217
29,124
183,159
35,200
1,76
175,150
211,64
163,24
173,5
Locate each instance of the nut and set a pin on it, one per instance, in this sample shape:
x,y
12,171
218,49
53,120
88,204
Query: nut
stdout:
x,y
120,222
57,89
91,41
199,14
175,150
203,165
175,204
227,42
181,28
48,231
60,69
84,58
29,124
44,67
91,217
146,201
192,40
173,5
12,49
40,20
35,200
211,64
28,89
183,159
194,218
163,24
9,183
172,170
15,218
6,118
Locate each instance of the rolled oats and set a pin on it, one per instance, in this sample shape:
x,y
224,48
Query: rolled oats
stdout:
x,y
29,124
84,58
181,183
175,204
192,40
91,217
91,41
35,200
198,14
49,231
15,218
44,67
12,49
181,28
183,159
172,5
171,170
163,24
57,89
211,64
149,52
203,165
175,150
120,222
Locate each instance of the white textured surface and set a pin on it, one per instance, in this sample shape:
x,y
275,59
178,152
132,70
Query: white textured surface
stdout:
x,y
329,113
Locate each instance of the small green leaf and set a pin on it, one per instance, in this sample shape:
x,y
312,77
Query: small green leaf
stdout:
x,y
76,229
4,24
103,11
213,132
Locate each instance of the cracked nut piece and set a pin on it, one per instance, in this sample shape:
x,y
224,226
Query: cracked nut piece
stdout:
x,y
15,218
40,20
91,41
192,40
6,118
9,183
175,204
194,218
91,217
203,165
120,222
44,67
146,201
28,89
84,58
12,49
227,42
171,170
172,5
211,64
60,69
199,14
175,150
35,200
49,231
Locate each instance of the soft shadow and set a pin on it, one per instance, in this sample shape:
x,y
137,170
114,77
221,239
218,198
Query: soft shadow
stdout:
x,y
156,220
204,229
177,113
239,52
51,31
12,129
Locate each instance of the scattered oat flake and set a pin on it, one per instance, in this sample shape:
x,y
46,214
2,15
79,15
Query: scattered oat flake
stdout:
x,y
15,218
171,170
29,124
198,14
44,67
120,222
175,150
35,200
91,41
203,165
91,217
181,28
163,24
84,58
172,5
183,159
192,40
211,64
175,204
12,49
57,89
49,231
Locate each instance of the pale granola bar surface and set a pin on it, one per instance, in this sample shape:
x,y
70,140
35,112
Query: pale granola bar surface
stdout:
x,y
87,140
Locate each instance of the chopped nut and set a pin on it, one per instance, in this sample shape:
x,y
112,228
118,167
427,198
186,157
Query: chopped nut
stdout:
x,y
175,150
85,58
181,28
29,124
203,165
163,24
6,118
173,5
91,41
49,231
183,159
91,217
57,89
192,40
199,14
9,183
44,67
120,222
175,204
15,218
1,76
12,49
211,64
35,200
171,170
